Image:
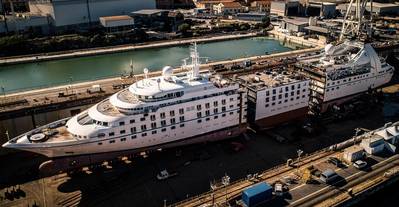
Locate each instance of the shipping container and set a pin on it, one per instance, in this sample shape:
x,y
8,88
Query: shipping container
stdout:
x,y
256,194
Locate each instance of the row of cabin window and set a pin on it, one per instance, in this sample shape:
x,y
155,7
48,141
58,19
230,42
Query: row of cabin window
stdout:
x,y
172,112
151,108
280,96
154,125
169,95
287,88
354,78
285,101
143,134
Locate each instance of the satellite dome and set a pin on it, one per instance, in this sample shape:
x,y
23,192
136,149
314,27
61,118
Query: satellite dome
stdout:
x,y
329,49
167,72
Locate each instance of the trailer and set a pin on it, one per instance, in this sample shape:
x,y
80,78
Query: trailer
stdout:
x,y
257,194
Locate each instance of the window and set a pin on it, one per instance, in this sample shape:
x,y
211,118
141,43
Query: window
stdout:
x,y
111,134
163,123
181,111
207,119
173,127
231,106
144,134
292,93
123,131
223,108
121,123
267,93
267,105
292,87
172,121
215,117
286,88
215,111
223,101
133,129
274,91
231,113
198,107
199,120
101,135
267,99
207,105
181,118
162,115
199,114
273,98
154,132
132,121
280,96
142,119
100,143
286,95
164,129
207,113
215,103
172,113
152,117
123,139
231,99
298,92
133,137
143,127
153,125
111,141
181,125
273,104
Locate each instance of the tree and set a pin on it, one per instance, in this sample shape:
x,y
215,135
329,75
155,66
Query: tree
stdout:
x,y
184,28
266,21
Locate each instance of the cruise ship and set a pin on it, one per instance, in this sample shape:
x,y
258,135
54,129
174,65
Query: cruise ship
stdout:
x,y
342,72
152,113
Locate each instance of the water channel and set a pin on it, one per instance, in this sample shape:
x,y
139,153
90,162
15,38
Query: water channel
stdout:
x,y
27,76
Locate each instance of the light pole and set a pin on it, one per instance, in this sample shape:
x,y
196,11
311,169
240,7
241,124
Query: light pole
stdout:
x,y
226,182
299,152
213,187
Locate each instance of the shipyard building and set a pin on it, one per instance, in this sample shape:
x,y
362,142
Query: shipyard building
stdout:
x,y
65,14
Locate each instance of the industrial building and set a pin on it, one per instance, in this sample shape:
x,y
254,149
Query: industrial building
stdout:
x,y
322,9
116,24
251,16
228,8
71,13
380,9
285,8
297,24
35,23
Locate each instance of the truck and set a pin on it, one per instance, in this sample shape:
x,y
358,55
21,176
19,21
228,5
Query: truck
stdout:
x,y
257,194
354,153
94,89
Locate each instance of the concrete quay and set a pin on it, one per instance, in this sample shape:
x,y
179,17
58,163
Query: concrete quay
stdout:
x,y
114,49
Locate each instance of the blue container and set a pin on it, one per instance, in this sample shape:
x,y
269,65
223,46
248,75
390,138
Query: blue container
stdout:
x,y
257,194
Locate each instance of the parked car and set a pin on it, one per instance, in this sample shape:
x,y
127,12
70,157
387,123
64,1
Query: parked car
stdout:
x,y
328,176
360,164
335,161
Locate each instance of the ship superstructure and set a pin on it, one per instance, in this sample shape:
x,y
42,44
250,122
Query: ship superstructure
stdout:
x,y
343,71
275,96
150,113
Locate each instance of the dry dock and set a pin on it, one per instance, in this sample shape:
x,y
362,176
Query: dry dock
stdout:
x,y
352,183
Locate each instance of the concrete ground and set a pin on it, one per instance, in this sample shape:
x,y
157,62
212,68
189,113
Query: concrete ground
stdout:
x,y
197,165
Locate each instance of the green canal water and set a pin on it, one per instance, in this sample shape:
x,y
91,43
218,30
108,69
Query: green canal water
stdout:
x,y
57,72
